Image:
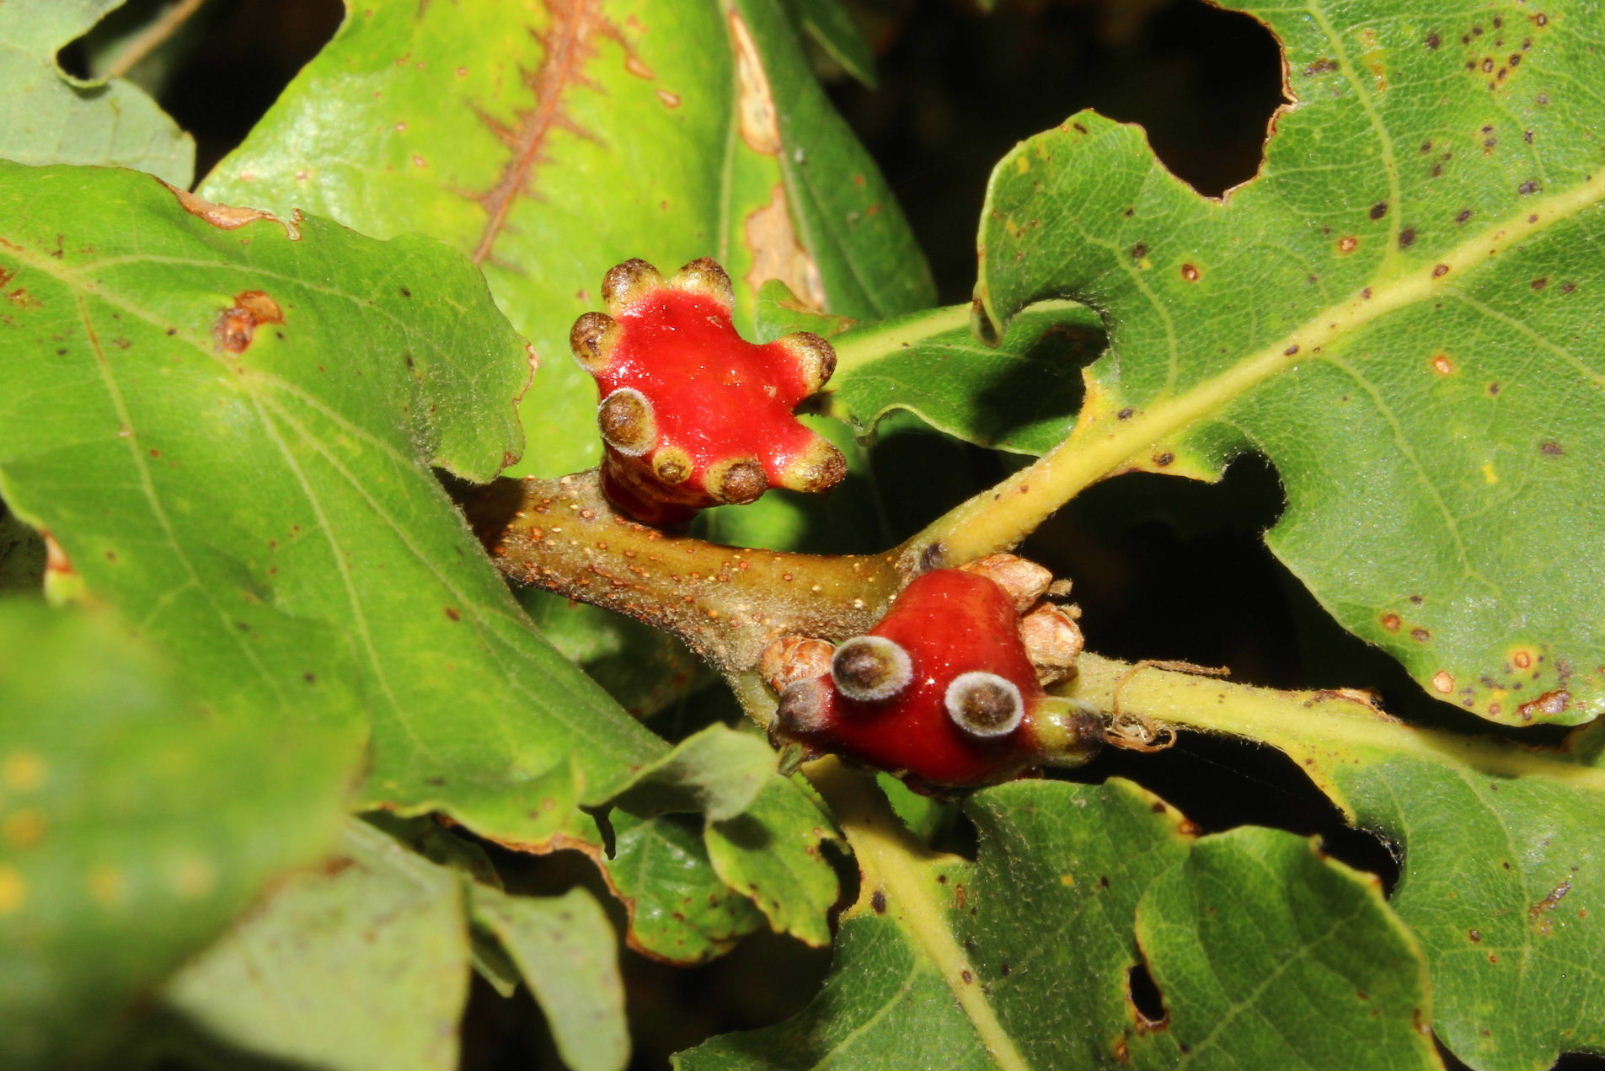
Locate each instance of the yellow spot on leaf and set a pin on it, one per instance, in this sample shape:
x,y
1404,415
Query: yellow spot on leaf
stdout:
x,y
1067,879
194,878
24,771
24,828
108,885
1023,163
1375,59
1488,473
13,890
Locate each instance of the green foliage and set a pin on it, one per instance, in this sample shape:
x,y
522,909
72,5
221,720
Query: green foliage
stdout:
x,y
226,433
1400,311
126,843
51,117
1233,954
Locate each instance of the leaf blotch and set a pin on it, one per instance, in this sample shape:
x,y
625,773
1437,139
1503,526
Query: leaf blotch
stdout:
x,y
236,327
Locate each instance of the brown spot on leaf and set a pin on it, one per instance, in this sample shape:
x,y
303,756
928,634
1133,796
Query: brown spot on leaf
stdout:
x,y
228,217
1442,365
1420,635
1190,272
1379,209
1551,447
777,253
1164,459
1348,243
1540,282
1139,251
877,901
1550,704
1439,271
1539,912
237,325
1463,215
1531,186
1433,40
755,105
1391,622
1407,238
1443,682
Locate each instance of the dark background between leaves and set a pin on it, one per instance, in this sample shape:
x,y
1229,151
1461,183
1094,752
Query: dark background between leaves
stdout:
x,y
1162,567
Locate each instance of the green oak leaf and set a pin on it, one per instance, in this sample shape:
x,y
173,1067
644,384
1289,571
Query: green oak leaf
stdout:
x,y
229,426
51,117
567,952
552,141
718,771
1400,311
361,963
680,909
365,963
1023,958
762,837
773,853
1019,396
132,827
1503,877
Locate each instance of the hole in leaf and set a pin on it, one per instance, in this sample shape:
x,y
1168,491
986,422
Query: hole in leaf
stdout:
x,y
958,89
219,70
1146,1000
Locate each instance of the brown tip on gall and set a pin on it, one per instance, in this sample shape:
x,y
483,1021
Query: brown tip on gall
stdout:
x,y
627,422
625,283
672,465
592,339
705,276
738,481
817,468
804,706
984,704
871,668
815,358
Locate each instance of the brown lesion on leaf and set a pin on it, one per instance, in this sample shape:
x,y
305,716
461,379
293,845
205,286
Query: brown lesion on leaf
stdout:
x,y
567,44
231,217
235,328
777,253
1540,913
756,113
1550,704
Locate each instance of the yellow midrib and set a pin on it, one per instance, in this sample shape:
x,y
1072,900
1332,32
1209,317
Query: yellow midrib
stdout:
x,y
898,867
999,518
